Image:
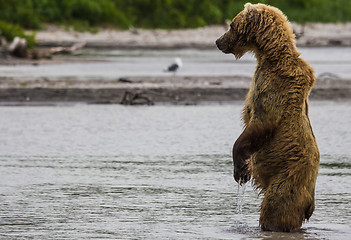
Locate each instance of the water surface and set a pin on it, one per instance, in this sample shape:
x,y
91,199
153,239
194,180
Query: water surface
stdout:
x,y
160,172
113,64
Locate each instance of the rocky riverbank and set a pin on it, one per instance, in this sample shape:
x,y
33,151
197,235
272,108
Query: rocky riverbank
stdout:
x,y
150,90
308,35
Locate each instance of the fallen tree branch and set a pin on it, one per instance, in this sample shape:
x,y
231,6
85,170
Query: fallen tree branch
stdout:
x,y
130,98
68,50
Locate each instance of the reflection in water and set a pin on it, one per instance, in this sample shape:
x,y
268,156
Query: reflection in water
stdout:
x,y
161,172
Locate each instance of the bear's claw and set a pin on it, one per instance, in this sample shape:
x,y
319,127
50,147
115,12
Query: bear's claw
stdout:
x,y
241,175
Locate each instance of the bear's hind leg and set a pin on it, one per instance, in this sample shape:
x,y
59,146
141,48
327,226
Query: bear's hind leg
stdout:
x,y
285,206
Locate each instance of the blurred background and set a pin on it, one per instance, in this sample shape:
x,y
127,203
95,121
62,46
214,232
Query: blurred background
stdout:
x,y
159,14
127,44
88,14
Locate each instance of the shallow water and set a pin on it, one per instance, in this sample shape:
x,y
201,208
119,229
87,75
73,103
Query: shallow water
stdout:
x,y
113,64
160,172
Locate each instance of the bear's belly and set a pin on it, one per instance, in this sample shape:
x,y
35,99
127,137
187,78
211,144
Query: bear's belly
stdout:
x,y
288,153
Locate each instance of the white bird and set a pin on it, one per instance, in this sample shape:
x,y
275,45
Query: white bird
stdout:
x,y
175,66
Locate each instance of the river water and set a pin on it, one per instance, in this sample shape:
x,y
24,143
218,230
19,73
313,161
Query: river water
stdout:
x,y
160,172
113,64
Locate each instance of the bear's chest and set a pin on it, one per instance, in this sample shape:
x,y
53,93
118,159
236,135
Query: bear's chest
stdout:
x,y
261,96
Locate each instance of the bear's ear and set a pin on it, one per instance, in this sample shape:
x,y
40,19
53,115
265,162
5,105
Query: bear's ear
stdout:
x,y
251,11
249,7
253,8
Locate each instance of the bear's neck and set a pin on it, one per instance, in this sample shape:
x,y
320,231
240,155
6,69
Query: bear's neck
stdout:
x,y
275,51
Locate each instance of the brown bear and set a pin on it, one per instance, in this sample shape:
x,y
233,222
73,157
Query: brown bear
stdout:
x,y
277,147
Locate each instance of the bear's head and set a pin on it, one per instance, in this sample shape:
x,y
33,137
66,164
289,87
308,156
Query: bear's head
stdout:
x,y
258,28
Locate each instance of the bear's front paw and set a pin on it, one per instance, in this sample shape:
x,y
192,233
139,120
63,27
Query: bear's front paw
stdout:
x,y
241,173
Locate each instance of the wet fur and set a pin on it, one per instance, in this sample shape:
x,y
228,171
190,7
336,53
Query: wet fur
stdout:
x,y
277,147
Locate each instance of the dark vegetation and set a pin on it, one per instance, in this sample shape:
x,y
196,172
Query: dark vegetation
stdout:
x,y
87,14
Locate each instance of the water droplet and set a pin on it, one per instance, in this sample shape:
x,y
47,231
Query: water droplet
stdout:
x,y
240,197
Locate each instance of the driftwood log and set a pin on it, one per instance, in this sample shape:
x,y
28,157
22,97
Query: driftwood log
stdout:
x,y
19,48
130,98
68,50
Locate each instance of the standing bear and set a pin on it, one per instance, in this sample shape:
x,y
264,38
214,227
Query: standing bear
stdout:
x,y
277,147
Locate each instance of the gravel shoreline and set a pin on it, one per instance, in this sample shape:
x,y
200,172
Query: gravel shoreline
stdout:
x,y
309,35
177,90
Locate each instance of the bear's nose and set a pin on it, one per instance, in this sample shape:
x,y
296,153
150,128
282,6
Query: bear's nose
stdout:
x,y
219,44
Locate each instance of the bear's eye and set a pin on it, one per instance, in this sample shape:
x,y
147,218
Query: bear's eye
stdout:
x,y
231,27
248,111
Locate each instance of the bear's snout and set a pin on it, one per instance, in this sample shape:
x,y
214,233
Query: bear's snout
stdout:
x,y
218,43
221,45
